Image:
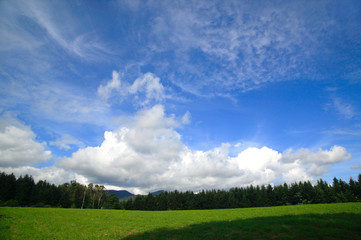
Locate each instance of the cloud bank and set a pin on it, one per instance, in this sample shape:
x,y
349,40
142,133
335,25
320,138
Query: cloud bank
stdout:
x,y
147,154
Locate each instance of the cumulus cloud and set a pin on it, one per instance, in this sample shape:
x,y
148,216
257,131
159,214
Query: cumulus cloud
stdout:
x,y
316,163
143,90
131,154
149,85
147,154
18,146
20,152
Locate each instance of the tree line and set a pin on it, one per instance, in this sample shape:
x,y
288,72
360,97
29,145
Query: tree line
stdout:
x,y
251,196
23,191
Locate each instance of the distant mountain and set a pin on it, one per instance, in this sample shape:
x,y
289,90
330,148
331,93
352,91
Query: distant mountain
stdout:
x,y
121,193
157,192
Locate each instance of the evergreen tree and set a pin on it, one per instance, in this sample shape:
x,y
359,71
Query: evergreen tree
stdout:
x,y
354,190
162,201
129,204
295,194
24,190
149,202
307,192
7,186
232,199
271,196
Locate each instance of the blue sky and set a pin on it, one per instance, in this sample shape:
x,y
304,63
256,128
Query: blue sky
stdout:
x,y
189,95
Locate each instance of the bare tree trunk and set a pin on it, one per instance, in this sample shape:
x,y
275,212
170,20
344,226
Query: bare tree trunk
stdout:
x,y
82,205
99,199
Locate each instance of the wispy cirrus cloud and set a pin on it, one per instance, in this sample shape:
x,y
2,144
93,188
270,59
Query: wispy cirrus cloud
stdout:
x,y
66,141
69,35
49,27
55,101
343,108
233,45
346,132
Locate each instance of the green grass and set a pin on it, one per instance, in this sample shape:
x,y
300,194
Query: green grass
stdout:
x,y
321,221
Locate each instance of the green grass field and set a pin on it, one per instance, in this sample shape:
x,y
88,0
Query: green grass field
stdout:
x,y
321,221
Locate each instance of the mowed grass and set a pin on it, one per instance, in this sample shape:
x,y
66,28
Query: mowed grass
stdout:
x,y
321,221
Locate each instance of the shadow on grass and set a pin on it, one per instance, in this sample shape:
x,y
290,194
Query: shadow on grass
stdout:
x,y
4,227
310,226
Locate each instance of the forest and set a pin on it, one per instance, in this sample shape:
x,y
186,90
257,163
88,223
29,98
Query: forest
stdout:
x,y
23,191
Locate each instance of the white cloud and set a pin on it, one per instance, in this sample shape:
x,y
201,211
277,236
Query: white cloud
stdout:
x,y
336,154
257,159
316,163
20,152
143,91
149,85
65,142
131,155
148,154
104,91
18,146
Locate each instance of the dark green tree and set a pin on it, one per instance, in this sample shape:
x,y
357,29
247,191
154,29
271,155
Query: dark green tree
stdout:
x,y
112,202
24,190
7,186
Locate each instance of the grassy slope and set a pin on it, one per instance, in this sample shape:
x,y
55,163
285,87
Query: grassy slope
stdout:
x,y
323,221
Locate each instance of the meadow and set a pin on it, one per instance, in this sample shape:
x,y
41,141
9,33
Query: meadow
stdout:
x,y
317,221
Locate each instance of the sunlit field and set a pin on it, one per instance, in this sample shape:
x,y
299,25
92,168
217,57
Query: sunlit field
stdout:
x,y
321,221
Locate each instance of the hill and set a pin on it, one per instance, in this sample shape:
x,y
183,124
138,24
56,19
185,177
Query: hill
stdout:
x,y
121,193
124,194
157,192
